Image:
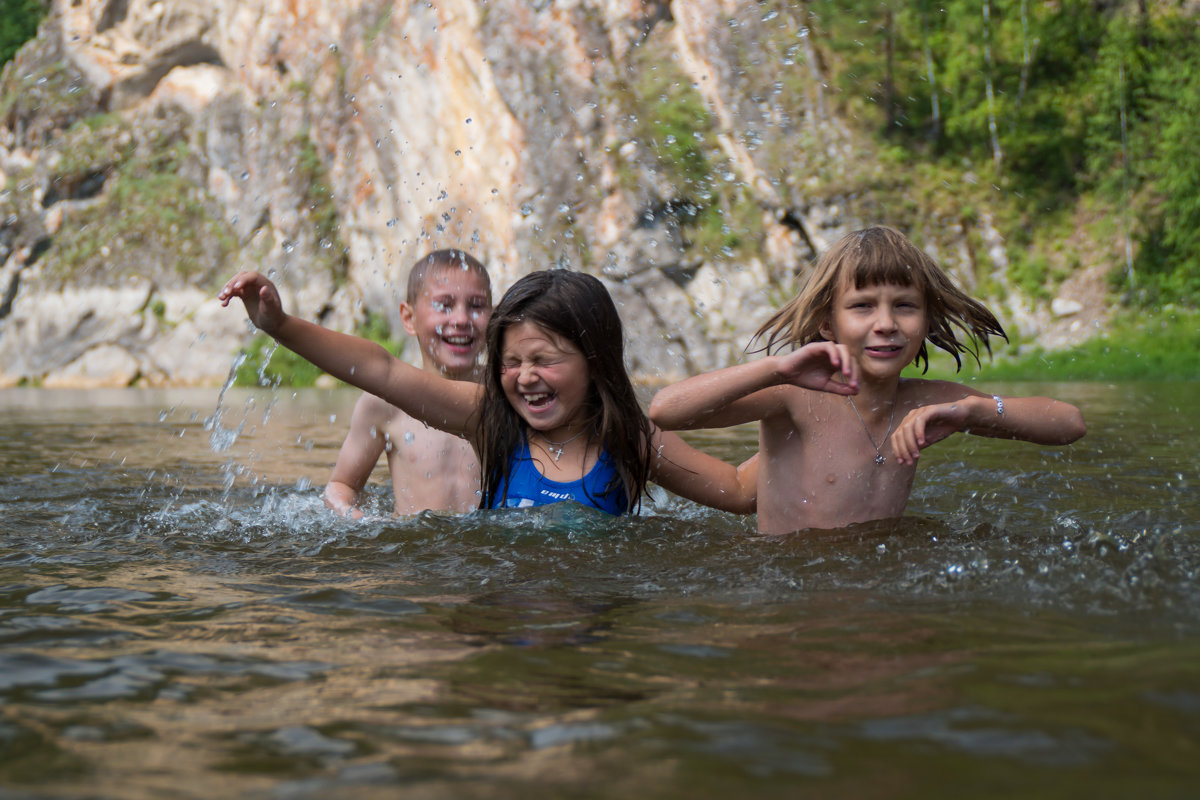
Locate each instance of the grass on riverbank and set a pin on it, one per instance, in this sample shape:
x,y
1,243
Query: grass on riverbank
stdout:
x,y
1162,346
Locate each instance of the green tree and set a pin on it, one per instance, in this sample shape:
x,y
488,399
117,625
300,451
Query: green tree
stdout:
x,y
1168,265
19,20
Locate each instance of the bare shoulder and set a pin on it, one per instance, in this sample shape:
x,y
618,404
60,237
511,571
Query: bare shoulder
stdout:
x,y
922,391
799,404
795,408
374,410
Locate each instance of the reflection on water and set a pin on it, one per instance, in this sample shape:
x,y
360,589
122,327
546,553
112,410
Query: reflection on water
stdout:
x,y
180,617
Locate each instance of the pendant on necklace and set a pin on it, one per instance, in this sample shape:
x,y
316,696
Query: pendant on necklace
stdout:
x,y
555,449
879,459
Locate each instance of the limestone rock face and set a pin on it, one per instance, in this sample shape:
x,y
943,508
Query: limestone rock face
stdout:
x,y
688,153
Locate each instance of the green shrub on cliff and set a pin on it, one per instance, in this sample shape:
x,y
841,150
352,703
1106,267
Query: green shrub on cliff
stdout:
x,y
318,204
672,121
154,220
19,20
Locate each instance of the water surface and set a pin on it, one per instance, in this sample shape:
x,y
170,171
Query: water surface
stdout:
x,y
180,617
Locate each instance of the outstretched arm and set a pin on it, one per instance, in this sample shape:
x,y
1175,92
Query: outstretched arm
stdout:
x,y
735,395
1041,420
680,468
445,404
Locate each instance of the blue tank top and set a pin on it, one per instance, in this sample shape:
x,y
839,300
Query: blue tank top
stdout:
x,y
524,486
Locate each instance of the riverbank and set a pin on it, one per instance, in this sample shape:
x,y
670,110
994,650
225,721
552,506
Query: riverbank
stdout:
x,y
1162,346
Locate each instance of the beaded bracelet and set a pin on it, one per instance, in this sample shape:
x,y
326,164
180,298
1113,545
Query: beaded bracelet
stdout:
x,y
999,405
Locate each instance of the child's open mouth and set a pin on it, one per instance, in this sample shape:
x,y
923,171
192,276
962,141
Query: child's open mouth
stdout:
x,y
885,350
538,400
462,342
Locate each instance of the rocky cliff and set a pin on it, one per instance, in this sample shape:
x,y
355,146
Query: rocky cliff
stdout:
x,y
690,153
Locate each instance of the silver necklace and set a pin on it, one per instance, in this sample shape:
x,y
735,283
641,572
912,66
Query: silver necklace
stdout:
x,y
879,459
555,449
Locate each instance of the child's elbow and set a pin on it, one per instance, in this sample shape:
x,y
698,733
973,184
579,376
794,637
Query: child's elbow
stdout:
x,y
741,505
1074,428
659,413
742,501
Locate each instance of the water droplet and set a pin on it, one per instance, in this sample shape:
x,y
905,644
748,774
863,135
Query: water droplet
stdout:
x,y
409,438
526,209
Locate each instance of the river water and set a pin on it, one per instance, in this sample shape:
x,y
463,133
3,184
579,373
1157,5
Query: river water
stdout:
x,y
180,617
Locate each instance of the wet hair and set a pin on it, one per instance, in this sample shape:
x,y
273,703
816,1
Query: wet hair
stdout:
x,y
578,308
440,260
875,256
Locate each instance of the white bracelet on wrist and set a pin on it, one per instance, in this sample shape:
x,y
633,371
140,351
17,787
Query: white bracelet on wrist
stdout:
x,y
999,405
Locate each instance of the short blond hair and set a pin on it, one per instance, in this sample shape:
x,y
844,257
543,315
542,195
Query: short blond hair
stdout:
x,y
874,256
439,260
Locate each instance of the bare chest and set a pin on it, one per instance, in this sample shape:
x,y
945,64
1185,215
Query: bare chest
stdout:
x,y
828,473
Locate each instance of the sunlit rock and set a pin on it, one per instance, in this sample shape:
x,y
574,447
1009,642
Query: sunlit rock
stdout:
x,y
105,365
1065,307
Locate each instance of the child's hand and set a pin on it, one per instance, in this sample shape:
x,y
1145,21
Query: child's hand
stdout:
x,y
926,426
822,367
263,306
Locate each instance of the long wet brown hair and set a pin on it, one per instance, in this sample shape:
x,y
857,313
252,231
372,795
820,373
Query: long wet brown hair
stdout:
x,y
576,307
875,256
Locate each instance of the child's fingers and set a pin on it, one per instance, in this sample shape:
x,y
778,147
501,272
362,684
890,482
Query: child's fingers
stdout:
x,y
232,287
909,438
849,365
911,448
900,446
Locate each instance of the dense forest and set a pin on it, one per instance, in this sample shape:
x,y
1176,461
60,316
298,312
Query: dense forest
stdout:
x,y
1053,103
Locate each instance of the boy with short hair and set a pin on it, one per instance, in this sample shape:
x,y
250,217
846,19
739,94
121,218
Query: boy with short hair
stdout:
x,y
447,307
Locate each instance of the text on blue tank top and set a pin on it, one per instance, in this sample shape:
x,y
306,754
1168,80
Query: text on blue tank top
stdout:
x,y
527,487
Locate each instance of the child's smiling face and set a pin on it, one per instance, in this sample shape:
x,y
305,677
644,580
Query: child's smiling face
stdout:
x,y
884,326
449,319
545,378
